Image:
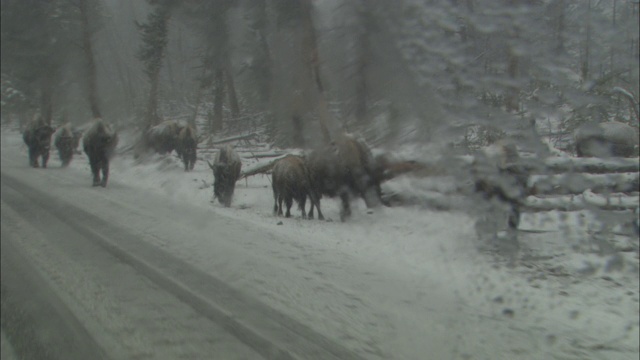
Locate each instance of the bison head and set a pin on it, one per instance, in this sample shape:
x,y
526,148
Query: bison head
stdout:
x,y
223,184
226,172
41,136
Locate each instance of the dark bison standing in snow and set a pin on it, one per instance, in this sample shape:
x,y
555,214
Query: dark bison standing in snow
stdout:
x,y
37,136
66,141
606,139
291,181
344,168
187,145
99,143
163,138
226,171
502,183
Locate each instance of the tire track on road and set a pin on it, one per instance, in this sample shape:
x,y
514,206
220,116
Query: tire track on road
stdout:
x,y
272,334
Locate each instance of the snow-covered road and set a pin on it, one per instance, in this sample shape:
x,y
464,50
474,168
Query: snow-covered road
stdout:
x,y
151,269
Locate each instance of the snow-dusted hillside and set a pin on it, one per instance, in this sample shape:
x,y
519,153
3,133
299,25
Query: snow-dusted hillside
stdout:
x,y
558,299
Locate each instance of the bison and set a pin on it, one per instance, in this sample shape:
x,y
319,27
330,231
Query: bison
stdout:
x,y
226,171
344,168
37,136
186,147
99,143
500,181
290,180
606,139
66,141
163,138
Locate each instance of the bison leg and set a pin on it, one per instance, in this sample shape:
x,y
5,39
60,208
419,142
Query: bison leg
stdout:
x,y
45,158
105,173
229,196
315,202
275,204
345,212
33,157
280,200
288,201
185,161
95,170
301,203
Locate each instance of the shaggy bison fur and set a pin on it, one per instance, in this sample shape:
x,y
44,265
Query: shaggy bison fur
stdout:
x,y
290,181
226,171
502,182
99,143
163,138
37,136
66,142
186,147
345,168
606,139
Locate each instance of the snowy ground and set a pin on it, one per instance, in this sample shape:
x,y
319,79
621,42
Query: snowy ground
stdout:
x,y
419,269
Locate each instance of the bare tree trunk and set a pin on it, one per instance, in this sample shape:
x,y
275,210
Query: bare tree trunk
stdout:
x,y
92,78
561,26
362,63
156,41
219,98
310,47
205,82
512,100
231,89
296,124
585,61
264,83
46,100
152,104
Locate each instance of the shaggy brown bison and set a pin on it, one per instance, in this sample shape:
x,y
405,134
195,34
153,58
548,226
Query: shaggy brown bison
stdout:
x,y
344,168
501,182
606,139
99,143
37,136
290,181
66,141
226,171
186,147
163,138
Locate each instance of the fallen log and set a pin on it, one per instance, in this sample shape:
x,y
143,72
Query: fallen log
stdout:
x,y
592,165
234,138
263,155
577,183
260,168
587,200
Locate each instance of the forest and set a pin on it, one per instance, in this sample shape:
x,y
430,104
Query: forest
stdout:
x,y
473,166
450,74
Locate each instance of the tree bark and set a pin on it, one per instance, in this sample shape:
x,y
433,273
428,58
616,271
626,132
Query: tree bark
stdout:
x,y
152,104
218,100
87,48
310,47
512,100
561,26
46,100
205,82
585,61
231,89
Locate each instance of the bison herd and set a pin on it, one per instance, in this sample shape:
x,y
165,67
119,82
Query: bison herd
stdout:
x,y
344,168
